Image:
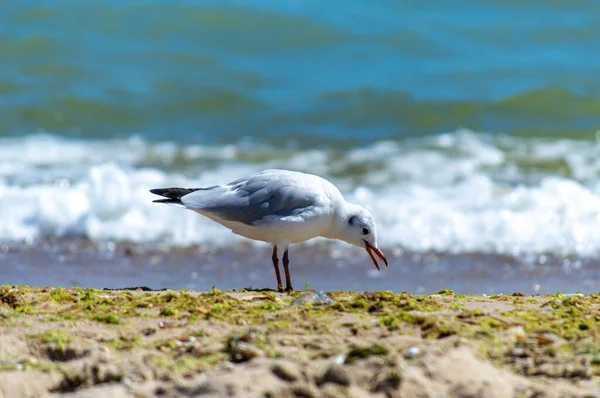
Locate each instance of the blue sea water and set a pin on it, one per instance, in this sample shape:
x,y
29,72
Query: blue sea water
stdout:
x,y
466,126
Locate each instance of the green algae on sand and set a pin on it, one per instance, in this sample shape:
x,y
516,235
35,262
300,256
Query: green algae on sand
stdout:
x,y
186,332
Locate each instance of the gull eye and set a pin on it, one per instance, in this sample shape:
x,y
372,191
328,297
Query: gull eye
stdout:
x,y
365,231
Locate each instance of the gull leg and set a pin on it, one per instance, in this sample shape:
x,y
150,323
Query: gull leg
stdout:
x,y
288,279
276,266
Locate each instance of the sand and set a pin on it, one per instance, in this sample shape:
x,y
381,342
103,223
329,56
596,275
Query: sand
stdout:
x,y
80,342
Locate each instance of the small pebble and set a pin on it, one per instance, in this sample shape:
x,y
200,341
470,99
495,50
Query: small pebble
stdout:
x,y
313,298
519,352
148,331
335,374
185,341
547,338
340,359
518,333
285,372
411,352
243,352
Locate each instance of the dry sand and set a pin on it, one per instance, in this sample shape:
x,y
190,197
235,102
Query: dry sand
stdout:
x,y
100,343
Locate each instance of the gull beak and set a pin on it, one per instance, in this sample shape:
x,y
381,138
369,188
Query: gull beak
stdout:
x,y
371,250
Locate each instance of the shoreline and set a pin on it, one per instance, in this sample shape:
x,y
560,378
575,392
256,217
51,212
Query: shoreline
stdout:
x,y
95,343
79,262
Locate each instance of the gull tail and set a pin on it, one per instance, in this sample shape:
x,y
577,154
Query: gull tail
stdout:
x,y
173,195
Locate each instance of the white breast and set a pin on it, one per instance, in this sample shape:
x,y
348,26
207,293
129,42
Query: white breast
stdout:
x,y
281,230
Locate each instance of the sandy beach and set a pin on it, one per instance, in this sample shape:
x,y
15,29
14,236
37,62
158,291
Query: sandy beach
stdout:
x,y
470,131
82,342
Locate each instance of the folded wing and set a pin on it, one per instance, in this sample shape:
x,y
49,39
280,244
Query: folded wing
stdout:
x,y
249,200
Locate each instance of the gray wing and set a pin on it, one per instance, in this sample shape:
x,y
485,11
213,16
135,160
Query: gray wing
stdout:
x,y
249,200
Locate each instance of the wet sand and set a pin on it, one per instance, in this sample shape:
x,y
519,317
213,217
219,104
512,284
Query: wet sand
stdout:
x,y
324,267
97,343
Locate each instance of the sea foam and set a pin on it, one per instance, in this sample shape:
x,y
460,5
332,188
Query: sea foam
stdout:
x,y
455,192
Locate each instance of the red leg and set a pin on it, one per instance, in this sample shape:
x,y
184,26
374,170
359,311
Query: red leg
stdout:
x,y
276,266
288,279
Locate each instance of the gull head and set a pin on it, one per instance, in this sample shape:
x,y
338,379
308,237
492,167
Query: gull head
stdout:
x,y
357,227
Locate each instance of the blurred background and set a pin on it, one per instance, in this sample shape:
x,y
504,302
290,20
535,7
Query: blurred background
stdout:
x,y
471,129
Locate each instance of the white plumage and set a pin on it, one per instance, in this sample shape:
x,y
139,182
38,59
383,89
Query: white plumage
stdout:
x,y
281,207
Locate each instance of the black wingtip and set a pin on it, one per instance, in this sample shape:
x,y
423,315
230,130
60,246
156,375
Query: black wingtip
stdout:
x,y
173,194
166,201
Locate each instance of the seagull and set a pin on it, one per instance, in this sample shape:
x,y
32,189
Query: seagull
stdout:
x,y
281,207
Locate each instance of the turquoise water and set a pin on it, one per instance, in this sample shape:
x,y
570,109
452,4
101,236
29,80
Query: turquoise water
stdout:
x,y
341,74
465,126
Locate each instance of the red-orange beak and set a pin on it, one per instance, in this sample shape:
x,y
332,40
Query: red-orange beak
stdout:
x,y
371,250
